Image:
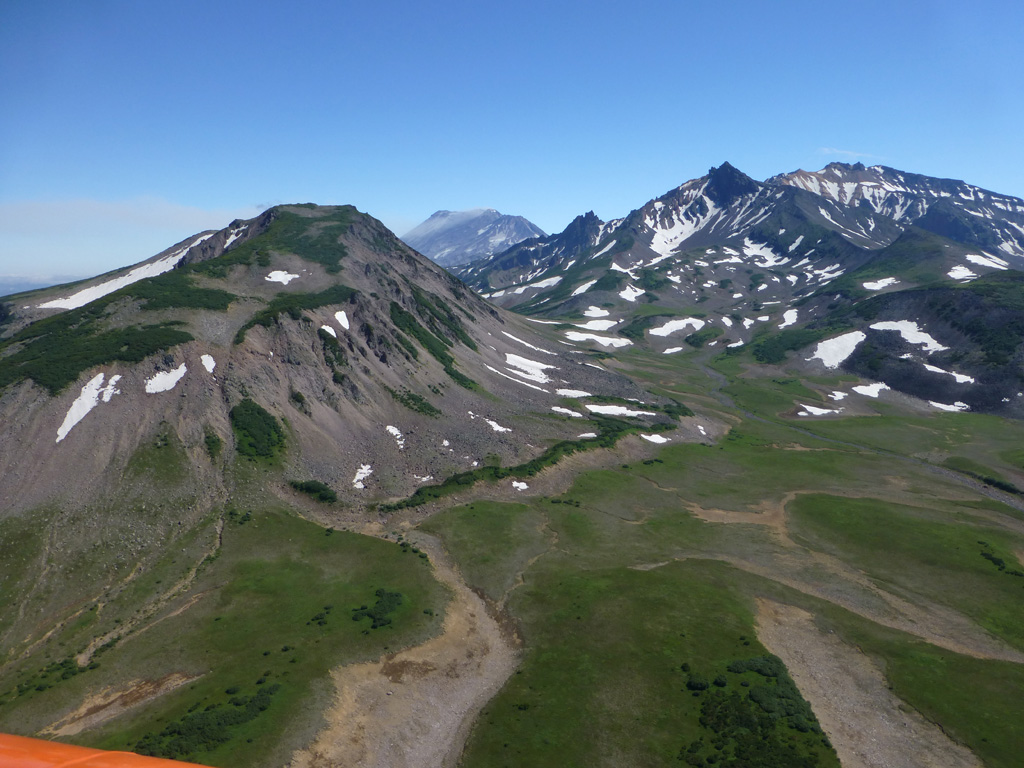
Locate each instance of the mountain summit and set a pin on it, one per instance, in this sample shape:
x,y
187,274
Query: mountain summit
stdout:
x,y
452,238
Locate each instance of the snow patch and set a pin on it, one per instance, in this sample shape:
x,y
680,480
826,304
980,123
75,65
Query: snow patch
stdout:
x,y
342,319
89,398
583,288
616,410
987,261
960,272
911,333
605,341
364,471
208,363
519,486
280,276
788,318
597,325
878,285
566,412
596,312
631,293
677,325
528,369
960,377
86,295
572,393
832,352
957,406
329,330
528,344
396,433
870,390
655,438
810,410
587,435
164,381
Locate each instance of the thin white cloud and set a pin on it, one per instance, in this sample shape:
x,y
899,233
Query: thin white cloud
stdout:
x,y
40,239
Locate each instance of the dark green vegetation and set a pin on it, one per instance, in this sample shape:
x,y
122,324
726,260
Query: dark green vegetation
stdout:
x,y
436,345
54,352
262,634
772,348
314,239
292,304
177,289
611,430
257,433
380,614
316,489
415,402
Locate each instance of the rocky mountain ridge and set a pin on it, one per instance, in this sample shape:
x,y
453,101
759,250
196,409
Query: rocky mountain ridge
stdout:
x,y
726,260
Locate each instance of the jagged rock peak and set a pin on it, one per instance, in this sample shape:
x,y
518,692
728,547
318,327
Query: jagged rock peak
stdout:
x,y
726,183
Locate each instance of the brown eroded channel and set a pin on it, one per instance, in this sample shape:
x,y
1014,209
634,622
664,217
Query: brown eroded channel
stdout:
x,y
414,708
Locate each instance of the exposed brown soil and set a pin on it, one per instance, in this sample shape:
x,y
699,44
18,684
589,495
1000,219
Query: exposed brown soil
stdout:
x,y
414,708
868,726
109,703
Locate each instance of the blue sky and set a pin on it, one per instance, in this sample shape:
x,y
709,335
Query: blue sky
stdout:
x,y
126,126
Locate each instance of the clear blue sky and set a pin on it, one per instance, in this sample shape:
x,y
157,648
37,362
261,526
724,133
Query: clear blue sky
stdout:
x,y
125,126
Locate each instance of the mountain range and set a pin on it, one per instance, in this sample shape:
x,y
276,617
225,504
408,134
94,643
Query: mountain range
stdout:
x,y
866,250
734,479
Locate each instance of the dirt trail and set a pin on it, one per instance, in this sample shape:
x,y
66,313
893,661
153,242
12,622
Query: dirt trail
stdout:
x,y
414,708
868,726
109,703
